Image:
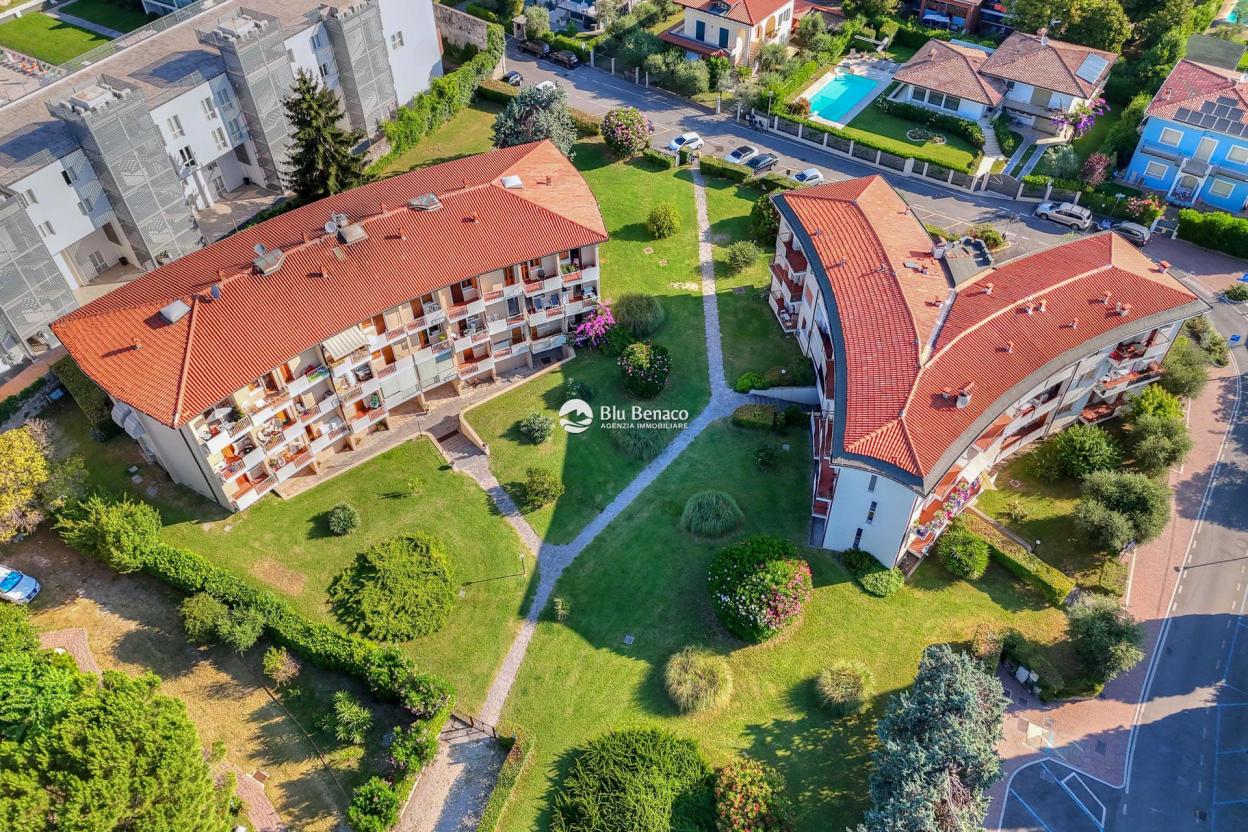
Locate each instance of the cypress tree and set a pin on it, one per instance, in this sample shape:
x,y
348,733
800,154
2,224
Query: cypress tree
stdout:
x,y
321,160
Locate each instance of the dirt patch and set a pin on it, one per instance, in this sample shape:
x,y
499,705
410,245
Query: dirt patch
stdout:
x,y
279,577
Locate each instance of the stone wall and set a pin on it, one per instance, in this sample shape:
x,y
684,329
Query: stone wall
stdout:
x,y
458,28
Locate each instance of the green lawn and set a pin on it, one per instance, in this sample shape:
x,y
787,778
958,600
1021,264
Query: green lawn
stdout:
x,y
124,17
284,545
752,339
644,577
591,468
466,134
1091,141
890,131
47,38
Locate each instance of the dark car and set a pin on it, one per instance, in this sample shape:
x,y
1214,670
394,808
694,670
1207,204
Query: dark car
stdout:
x,y
567,58
1133,231
763,162
513,78
536,47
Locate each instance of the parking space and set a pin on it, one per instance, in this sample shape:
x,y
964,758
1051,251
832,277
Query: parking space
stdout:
x,y
1049,797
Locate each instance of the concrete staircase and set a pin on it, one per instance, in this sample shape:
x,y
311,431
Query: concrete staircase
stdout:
x,y
456,447
992,148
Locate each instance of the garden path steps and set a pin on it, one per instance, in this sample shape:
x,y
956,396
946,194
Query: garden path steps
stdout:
x,y
453,790
434,795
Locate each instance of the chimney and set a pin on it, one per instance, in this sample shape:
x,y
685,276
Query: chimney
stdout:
x,y
1124,309
1043,32
138,345
988,288
964,395
1163,266
473,217
1030,309
1105,298
1009,347
1042,305
1074,324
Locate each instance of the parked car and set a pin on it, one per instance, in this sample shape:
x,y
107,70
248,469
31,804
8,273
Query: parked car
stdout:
x,y
762,164
540,48
1065,213
686,141
567,58
1133,231
810,176
547,85
742,154
17,587
514,78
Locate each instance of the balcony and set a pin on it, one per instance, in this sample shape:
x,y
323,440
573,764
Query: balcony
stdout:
x,y
550,342
434,314
363,421
474,368
1195,167
1113,384
416,325
939,512
1128,352
308,379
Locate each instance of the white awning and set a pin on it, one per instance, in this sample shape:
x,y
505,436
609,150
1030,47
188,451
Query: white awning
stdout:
x,y
345,343
932,17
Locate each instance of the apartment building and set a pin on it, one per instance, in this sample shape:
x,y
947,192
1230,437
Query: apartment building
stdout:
x,y
112,168
257,358
930,373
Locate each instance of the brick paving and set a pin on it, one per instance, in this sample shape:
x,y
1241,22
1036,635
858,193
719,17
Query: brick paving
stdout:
x,y
71,640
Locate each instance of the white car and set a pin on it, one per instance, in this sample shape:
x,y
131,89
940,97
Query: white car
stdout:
x,y
810,176
17,587
686,141
546,85
742,154
1066,213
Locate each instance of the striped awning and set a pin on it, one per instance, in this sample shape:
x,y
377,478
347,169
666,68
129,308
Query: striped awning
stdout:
x,y
345,343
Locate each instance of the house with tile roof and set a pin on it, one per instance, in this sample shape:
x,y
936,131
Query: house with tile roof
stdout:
x,y
735,29
1034,79
262,356
1194,138
926,382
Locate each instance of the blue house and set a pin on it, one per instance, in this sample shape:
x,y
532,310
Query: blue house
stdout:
x,y
1194,139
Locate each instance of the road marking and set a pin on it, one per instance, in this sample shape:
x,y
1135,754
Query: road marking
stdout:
x,y
1026,806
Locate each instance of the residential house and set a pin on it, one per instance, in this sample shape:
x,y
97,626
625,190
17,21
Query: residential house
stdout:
x,y
736,29
946,77
927,377
1194,138
262,356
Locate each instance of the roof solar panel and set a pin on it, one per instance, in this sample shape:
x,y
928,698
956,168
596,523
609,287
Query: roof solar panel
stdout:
x,y
1221,112
1183,114
1222,125
1238,129
1207,106
1226,101
1237,114
1091,68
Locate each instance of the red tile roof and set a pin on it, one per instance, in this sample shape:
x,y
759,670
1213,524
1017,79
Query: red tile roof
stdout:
x,y
1052,66
174,371
742,11
894,409
1191,85
954,70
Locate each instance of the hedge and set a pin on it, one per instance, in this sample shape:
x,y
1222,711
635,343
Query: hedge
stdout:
x,y
714,166
888,146
913,34
1051,581
559,41
586,125
874,577
758,417
658,158
497,91
482,12
93,401
514,764
1216,230
14,403
957,125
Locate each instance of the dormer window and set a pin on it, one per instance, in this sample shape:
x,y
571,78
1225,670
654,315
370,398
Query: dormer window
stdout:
x,y
719,7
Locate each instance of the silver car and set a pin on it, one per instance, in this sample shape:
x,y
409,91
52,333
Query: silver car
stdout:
x,y
743,154
1133,231
17,587
810,176
1066,213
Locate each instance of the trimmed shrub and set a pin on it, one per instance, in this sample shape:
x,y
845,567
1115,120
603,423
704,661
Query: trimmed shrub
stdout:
x,y
201,616
986,646
343,519
663,221
991,237
639,442
349,721
414,746
642,780
1106,636
874,577
88,395
576,389
646,367
1159,441
627,131
1216,230
697,680
514,764
1052,583
661,160
766,454
710,514
241,629
374,807
750,381
616,341
399,589
641,315
845,687
764,221
757,416
1155,400
1186,374
537,427
1118,508
962,552
1236,292
281,667
794,416
541,487
1215,345
740,256
749,797
723,169
758,586
117,532
1080,450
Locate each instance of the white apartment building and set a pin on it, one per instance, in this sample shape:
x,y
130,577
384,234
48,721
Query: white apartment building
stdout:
x,y
931,371
264,355
115,164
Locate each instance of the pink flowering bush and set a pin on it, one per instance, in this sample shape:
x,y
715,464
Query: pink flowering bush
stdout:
x,y
626,131
758,586
749,797
1096,169
594,329
646,367
1143,208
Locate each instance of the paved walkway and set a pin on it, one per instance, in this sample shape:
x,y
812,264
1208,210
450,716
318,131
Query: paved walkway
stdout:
x,y
438,811
453,791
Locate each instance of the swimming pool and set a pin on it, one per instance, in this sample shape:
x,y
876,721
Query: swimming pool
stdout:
x,y
840,95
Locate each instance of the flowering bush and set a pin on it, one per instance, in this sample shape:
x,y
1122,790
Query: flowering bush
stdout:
x,y
758,586
1096,169
1143,208
646,367
626,131
1083,116
749,797
593,330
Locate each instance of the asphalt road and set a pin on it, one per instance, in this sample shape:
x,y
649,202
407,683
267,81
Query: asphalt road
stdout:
x,y
1188,768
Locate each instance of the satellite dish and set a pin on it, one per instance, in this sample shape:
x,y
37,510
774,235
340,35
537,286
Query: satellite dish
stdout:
x,y
331,227
259,249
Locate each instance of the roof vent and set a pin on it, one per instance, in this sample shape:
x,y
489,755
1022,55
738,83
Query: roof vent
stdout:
x,y
988,288
964,395
174,312
351,234
425,202
267,262
512,182
1124,309
1074,324
1043,305
1009,346
1105,296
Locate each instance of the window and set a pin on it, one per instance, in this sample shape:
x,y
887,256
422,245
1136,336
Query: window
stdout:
x,y
723,37
1170,136
69,175
785,15
317,41
699,29
1238,153
223,97
1155,170
218,135
210,109
918,93
324,68
871,484
97,262
46,229
84,205
952,103
857,538
396,40
1221,188
29,198
175,127
186,156
871,511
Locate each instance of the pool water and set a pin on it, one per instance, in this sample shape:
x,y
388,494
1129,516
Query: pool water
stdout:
x,y
841,94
